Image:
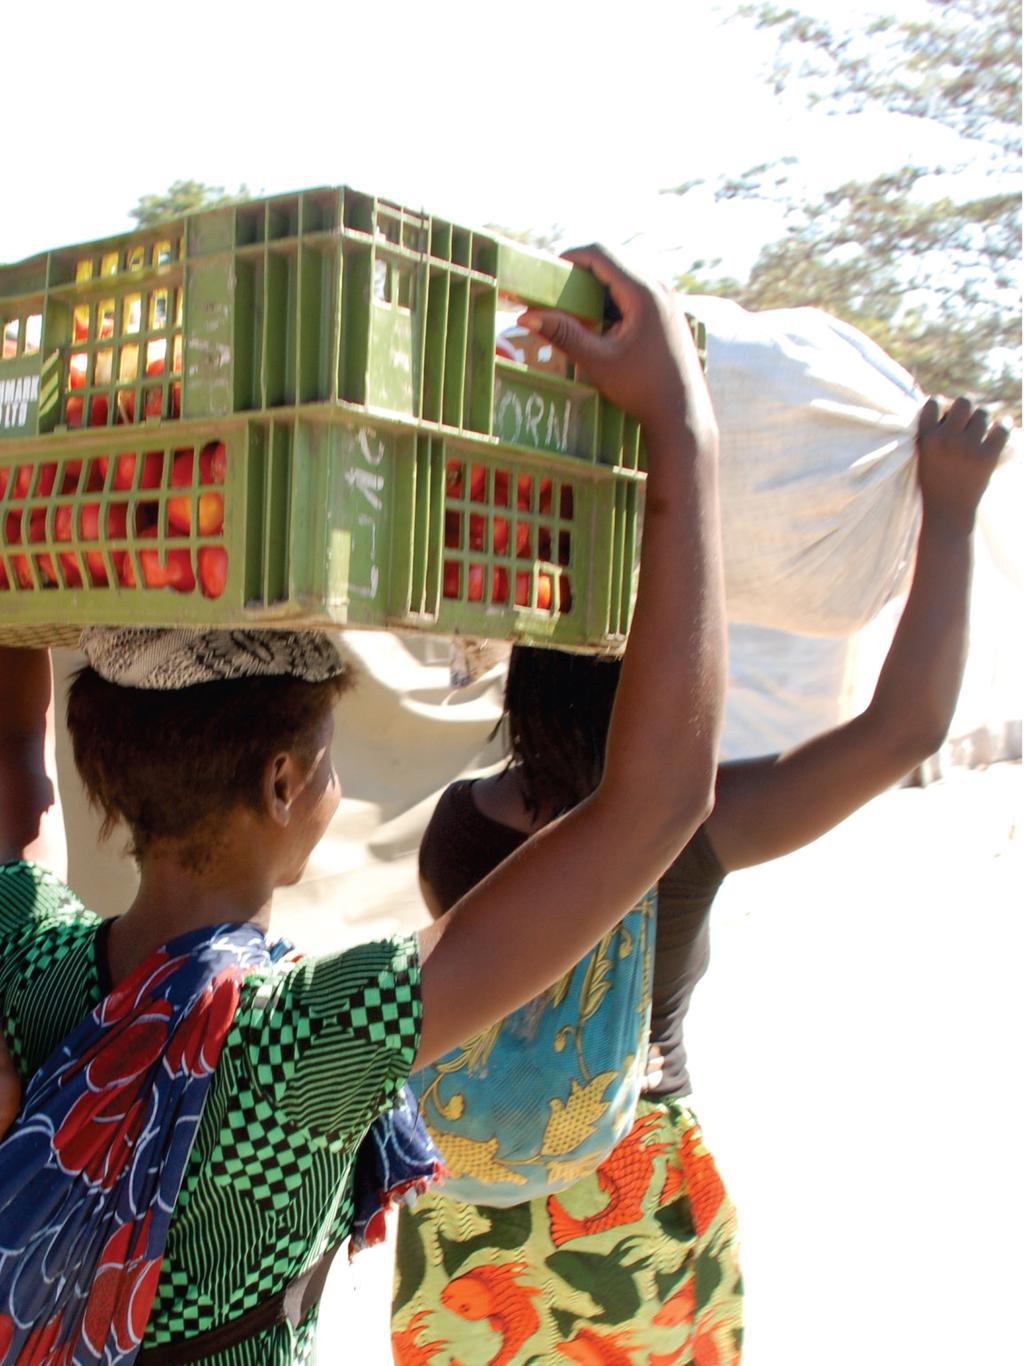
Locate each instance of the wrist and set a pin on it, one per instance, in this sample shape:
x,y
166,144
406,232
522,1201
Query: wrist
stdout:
x,y
948,522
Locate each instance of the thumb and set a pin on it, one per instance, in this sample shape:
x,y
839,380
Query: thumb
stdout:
x,y
575,340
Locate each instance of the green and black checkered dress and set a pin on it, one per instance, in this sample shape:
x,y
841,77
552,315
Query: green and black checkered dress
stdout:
x,y
318,1049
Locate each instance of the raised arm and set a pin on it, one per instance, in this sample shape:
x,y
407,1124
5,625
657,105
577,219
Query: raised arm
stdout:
x,y
30,816
538,913
768,807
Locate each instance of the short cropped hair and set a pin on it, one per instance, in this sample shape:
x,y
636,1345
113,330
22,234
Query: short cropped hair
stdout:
x,y
171,763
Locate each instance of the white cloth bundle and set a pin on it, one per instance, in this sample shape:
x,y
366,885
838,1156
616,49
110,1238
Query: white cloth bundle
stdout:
x,y
820,508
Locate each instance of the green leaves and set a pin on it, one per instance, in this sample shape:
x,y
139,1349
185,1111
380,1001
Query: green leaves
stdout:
x,y
928,272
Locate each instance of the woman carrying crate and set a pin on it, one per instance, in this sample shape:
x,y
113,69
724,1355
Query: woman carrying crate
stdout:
x,y
634,1260
182,1161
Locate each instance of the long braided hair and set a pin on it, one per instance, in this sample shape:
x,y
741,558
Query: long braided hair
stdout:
x,y
557,709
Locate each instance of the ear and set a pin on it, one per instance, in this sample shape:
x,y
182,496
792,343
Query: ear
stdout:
x,y
283,781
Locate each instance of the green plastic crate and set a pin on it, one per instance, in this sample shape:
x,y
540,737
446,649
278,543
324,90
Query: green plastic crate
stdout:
x,y
342,351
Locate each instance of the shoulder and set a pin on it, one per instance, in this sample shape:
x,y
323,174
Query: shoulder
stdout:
x,y
31,895
330,1040
370,992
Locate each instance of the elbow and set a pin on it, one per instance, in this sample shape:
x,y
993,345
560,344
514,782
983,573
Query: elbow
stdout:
x,y
906,740
916,744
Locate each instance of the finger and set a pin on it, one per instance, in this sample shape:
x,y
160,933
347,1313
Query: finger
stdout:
x,y
959,414
567,333
928,418
992,446
977,426
600,262
622,285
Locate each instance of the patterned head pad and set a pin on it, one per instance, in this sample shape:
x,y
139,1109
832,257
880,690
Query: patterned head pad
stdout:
x,y
166,658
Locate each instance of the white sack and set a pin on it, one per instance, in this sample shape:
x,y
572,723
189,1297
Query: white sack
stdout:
x,y
819,502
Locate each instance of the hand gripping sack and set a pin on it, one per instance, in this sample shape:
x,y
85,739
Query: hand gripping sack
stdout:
x,y
538,1100
820,509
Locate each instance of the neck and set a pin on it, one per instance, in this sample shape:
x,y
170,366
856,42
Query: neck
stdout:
x,y
174,898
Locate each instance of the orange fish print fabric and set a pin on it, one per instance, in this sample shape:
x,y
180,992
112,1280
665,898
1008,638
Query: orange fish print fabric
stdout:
x,y
634,1265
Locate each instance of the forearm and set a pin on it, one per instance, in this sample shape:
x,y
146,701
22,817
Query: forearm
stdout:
x,y
917,689
663,739
28,790
25,689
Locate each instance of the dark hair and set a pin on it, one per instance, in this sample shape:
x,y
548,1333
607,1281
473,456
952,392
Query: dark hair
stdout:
x,y
170,763
557,709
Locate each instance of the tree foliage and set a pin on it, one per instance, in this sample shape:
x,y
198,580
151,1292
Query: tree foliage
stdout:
x,y
182,197
929,273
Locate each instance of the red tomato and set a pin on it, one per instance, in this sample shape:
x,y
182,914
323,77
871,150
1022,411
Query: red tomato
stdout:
x,y
524,492
78,370
564,594
37,532
544,543
544,590
452,578
62,532
99,410
153,403
152,471
544,496
96,475
499,585
501,483
478,484
213,570
477,531
475,589
453,479
179,510
125,406
71,477
23,480
89,530
211,513
452,530
174,572
500,536
523,551
74,411
213,463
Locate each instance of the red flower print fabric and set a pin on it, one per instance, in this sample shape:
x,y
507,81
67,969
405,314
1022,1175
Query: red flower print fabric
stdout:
x,y
91,1170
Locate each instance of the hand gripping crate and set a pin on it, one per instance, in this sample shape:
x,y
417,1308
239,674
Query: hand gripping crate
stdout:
x,y
294,411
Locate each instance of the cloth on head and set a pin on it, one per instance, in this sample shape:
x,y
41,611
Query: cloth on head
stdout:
x,y
166,658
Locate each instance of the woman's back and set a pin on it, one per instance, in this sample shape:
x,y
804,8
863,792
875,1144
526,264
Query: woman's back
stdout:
x,y
318,1047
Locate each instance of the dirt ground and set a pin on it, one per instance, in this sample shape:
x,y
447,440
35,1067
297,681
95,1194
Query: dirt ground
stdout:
x,y
855,1053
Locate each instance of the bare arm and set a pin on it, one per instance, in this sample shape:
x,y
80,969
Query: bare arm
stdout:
x,y
536,915
767,807
30,815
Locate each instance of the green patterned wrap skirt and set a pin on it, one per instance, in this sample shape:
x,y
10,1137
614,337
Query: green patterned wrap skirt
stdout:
x,y
633,1265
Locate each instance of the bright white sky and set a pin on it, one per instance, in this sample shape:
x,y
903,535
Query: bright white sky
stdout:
x,y
527,114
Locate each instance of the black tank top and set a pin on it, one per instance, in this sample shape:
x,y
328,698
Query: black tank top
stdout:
x,y
461,845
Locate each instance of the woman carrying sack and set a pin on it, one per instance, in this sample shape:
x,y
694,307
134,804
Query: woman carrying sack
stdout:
x,y
635,1261
182,1161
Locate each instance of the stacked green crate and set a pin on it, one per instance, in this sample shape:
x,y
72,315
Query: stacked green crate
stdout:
x,y
292,410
